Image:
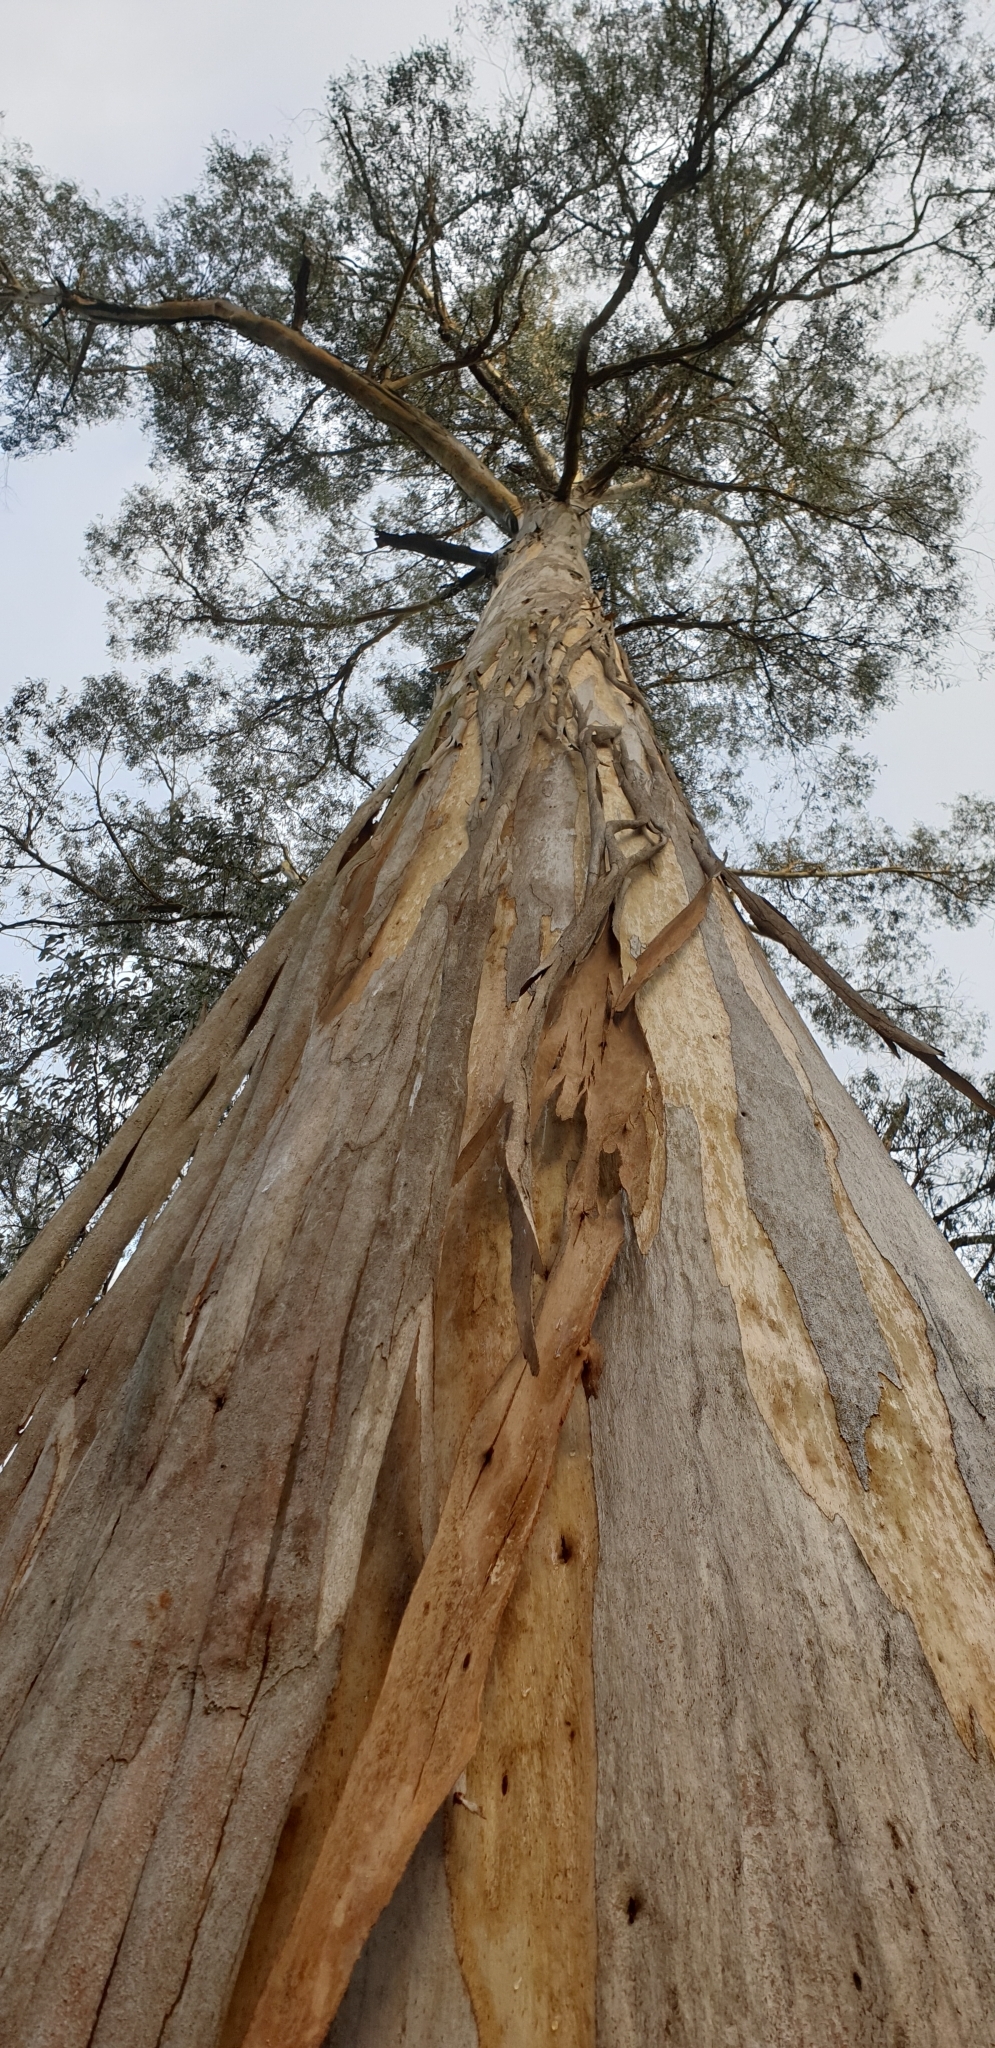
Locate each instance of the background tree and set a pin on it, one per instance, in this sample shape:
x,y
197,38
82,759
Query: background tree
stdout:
x,y
651,294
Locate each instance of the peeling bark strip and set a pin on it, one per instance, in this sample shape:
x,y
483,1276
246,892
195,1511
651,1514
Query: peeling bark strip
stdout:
x,y
666,944
772,924
304,1509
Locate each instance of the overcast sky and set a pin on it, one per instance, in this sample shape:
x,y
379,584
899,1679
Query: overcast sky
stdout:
x,y
123,95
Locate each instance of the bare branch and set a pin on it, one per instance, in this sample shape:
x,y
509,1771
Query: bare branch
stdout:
x,y
772,924
689,622
395,306
811,871
435,548
301,282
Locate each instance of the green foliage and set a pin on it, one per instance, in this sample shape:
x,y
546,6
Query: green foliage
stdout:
x,y
868,897
150,836
946,1149
663,267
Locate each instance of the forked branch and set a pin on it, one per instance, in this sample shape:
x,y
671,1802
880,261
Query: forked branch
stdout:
x,y
718,101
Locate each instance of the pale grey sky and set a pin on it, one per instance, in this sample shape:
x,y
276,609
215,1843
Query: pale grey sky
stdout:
x,y
123,95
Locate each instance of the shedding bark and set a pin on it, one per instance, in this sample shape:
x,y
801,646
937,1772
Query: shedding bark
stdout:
x,y
508,1552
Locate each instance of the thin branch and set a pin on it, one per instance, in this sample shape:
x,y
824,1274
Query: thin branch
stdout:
x,y
945,879
394,308
155,896
810,289
789,501
80,361
686,622
772,924
213,613
270,454
498,387
301,282
734,89
682,354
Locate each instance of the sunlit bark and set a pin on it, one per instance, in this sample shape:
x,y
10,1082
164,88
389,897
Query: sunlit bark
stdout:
x,y
516,1533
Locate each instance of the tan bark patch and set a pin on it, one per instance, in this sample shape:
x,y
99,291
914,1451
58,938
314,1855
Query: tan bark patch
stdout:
x,y
426,1722
442,844
489,1038
521,1852
915,1524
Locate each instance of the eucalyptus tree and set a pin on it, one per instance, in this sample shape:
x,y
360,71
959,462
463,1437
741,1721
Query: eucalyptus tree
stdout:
x,y
497,1533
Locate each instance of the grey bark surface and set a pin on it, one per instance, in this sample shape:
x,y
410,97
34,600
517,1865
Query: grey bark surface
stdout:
x,y
171,1513
793,1844
775,1128
407,1989
958,1318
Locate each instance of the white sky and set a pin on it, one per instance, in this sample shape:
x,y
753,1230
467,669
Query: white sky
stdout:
x,y
123,95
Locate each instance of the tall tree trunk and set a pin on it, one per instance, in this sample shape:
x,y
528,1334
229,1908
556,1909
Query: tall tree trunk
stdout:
x,y
382,1640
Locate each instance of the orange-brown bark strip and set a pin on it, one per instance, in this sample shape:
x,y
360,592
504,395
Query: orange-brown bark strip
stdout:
x,y
524,1923
666,943
426,1722
521,1853
393,1554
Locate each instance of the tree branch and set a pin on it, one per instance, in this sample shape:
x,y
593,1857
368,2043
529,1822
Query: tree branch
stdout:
x,y
497,386
301,282
772,924
441,447
735,88
436,549
690,622
395,306
935,878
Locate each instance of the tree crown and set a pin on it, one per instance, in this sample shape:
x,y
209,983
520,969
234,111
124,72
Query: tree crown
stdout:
x,y
658,273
